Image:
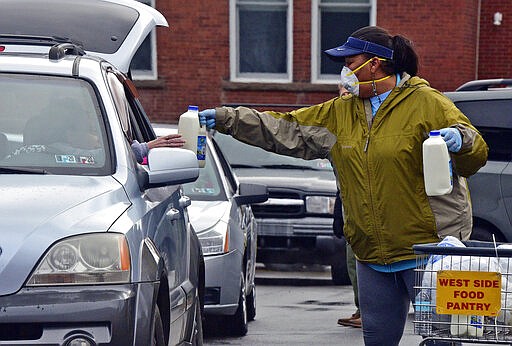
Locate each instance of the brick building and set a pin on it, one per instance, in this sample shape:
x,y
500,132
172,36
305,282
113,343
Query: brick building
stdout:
x,y
255,52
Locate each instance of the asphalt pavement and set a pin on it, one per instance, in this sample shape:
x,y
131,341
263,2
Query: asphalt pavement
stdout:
x,y
301,275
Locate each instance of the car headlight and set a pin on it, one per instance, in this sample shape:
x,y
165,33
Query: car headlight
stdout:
x,y
320,204
215,240
86,259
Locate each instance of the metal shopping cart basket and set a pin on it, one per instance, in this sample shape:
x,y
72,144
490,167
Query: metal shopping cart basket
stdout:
x,y
464,293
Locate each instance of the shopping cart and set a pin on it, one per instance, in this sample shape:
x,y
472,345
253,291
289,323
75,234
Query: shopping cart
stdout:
x,y
464,293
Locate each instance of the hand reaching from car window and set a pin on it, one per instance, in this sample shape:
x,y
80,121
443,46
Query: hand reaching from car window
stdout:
x,y
172,140
141,150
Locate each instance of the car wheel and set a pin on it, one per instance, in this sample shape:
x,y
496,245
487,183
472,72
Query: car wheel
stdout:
x,y
238,322
339,273
158,338
251,304
197,337
483,234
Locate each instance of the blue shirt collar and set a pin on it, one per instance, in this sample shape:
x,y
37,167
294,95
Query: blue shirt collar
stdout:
x,y
376,101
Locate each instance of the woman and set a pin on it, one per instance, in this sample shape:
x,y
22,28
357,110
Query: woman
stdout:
x,y
373,138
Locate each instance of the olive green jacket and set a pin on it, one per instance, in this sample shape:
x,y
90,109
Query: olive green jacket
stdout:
x,y
378,163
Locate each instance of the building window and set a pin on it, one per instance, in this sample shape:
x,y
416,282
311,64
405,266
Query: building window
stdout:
x,y
261,40
143,65
332,23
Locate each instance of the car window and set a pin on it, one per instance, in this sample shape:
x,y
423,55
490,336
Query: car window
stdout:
x,y
240,155
132,117
122,107
139,117
52,123
492,118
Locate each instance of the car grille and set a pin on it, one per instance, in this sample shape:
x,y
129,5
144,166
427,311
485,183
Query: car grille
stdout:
x,y
287,242
280,204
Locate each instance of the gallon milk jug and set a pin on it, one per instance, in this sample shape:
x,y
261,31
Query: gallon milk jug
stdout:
x,y
476,326
423,313
459,325
193,133
470,325
437,166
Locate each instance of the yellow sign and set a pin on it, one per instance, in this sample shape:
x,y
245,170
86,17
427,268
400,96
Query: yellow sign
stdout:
x,y
468,293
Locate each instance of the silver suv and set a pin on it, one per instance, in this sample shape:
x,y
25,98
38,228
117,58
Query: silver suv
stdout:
x,y
95,248
221,215
488,104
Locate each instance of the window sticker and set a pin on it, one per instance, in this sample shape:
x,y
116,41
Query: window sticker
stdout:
x,y
65,159
203,190
81,160
87,160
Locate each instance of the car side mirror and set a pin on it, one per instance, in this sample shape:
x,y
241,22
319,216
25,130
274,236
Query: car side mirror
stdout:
x,y
171,166
251,193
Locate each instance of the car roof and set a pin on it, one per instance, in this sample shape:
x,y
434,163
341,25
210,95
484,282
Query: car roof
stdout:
x,y
111,29
485,84
496,94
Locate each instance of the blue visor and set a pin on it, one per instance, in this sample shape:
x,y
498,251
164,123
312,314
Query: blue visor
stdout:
x,y
355,46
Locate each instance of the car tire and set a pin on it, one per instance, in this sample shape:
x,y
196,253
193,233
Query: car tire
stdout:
x,y
157,337
238,322
339,273
197,337
251,304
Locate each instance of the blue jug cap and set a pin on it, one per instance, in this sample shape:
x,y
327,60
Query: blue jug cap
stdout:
x,y
193,108
435,133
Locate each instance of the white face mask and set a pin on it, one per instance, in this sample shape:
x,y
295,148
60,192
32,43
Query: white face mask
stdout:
x,y
349,79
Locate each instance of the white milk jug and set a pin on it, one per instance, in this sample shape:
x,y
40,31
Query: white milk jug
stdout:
x,y
437,166
470,325
459,325
476,326
193,133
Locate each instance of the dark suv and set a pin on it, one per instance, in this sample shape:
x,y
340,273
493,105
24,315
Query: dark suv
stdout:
x,y
488,104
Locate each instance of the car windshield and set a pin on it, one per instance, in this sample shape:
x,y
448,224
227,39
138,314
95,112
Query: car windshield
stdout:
x,y
52,125
208,186
240,155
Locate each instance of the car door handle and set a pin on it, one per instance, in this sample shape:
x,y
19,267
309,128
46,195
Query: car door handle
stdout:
x,y
185,201
173,214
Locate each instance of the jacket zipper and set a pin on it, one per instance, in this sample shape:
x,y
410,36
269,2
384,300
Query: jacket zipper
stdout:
x,y
371,194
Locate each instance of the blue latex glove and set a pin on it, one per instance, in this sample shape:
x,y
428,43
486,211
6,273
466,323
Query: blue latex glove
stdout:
x,y
452,138
207,117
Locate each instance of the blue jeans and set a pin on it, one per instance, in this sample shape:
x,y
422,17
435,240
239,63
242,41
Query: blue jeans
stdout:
x,y
384,300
